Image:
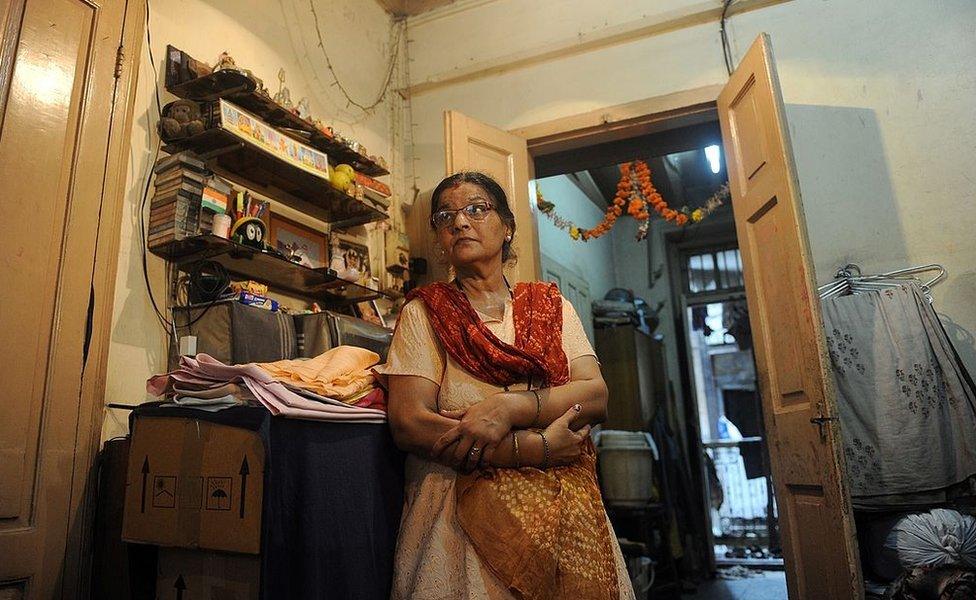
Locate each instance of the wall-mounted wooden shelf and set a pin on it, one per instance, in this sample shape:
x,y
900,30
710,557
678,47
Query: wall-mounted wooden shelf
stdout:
x,y
241,90
318,284
255,168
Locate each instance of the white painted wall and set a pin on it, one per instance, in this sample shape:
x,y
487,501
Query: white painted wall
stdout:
x,y
262,36
592,261
879,101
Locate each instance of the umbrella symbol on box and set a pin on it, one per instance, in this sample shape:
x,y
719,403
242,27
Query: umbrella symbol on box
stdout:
x,y
218,493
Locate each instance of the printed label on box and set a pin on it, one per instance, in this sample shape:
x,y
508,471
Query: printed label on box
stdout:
x,y
164,491
219,493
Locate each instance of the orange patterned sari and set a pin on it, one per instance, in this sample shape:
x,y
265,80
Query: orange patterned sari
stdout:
x,y
544,534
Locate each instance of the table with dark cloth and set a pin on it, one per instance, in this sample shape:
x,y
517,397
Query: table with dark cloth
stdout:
x,y
333,493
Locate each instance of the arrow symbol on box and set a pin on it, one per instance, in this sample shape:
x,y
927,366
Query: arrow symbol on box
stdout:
x,y
145,477
180,585
245,470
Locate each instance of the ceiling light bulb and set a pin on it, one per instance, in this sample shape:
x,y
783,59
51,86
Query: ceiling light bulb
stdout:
x,y
714,156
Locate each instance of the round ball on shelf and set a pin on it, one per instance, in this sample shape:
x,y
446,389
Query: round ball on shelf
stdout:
x,y
344,168
340,180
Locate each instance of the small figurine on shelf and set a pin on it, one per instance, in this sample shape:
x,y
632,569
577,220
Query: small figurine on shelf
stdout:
x,y
249,231
283,97
324,129
248,228
343,262
303,110
225,62
181,118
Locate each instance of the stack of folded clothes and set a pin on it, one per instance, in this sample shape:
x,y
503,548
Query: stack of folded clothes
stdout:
x,y
204,397
334,386
342,373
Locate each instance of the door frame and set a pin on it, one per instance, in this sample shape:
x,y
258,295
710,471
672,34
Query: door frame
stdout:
x,y
84,474
631,119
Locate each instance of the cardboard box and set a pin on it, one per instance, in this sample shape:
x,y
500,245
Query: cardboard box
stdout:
x,y
203,575
194,484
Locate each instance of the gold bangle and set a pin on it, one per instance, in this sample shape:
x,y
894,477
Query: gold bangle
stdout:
x,y
545,451
538,407
518,459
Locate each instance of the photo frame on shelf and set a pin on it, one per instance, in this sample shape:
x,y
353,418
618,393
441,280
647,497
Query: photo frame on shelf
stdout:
x,y
369,311
299,243
350,252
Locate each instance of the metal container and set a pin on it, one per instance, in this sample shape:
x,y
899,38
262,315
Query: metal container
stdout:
x,y
625,462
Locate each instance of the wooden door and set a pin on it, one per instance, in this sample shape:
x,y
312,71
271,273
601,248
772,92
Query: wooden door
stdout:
x,y
798,402
60,156
474,146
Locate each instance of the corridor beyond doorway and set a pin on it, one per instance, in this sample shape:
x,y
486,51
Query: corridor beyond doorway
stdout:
x,y
767,585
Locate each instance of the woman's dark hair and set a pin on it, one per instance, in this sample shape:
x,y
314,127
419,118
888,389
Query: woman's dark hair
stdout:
x,y
499,201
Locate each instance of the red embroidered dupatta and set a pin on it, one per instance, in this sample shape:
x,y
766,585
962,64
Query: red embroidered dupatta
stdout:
x,y
544,534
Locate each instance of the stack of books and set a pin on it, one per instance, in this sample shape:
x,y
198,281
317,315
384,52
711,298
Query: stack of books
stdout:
x,y
174,213
375,192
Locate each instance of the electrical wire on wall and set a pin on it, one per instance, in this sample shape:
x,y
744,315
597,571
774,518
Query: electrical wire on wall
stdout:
x,y
723,29
388,78
169,325
166,323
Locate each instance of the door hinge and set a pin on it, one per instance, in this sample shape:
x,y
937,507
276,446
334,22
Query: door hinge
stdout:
x,y
119,60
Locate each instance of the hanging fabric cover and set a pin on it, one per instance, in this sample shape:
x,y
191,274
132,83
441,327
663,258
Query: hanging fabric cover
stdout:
x,y
906,403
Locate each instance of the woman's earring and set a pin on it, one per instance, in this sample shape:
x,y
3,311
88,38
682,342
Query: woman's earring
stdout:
x,y
508,238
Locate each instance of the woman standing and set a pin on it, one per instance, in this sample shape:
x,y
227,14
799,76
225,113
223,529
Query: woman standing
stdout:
x,y
493,389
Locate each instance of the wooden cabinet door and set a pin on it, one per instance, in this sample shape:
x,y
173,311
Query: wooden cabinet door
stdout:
x,y
797,396
58,81
624,354
475,146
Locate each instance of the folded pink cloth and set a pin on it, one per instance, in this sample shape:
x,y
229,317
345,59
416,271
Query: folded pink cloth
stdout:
x,y
205,370
375,399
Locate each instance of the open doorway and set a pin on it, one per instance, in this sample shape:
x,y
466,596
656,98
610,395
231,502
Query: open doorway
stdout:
x,y
720,367
680,366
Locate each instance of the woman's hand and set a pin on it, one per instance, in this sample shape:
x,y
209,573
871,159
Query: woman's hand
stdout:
x,y
565,445
479,430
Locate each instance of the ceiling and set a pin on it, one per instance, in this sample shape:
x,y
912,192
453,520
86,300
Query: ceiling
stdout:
x,y
409,8
676,157
683,178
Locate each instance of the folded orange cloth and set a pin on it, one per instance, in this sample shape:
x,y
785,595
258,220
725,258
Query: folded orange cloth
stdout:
x,y
337,373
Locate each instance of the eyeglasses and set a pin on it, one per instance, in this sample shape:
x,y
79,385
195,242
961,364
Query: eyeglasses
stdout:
x,y
476,211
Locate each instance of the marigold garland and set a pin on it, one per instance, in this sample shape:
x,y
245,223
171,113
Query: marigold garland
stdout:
x,y
635,192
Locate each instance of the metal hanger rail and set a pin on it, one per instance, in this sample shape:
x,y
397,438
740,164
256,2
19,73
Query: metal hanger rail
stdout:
x,y
850,280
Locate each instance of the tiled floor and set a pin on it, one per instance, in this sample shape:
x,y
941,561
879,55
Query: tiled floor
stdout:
x,y
771,585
